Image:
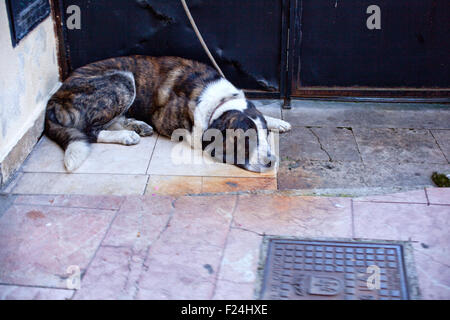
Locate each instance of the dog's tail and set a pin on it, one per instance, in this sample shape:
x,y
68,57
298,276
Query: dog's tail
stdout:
x,y
75,142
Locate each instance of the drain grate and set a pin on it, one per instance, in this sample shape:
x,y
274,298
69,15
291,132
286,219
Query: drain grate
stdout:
x,y
315,270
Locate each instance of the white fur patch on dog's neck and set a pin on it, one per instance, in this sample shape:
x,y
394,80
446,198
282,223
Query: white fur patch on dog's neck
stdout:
x,y
212,96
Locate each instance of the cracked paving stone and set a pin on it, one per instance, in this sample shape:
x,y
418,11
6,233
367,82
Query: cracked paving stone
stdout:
x,y
320,175
195,237
443,140
112,275
398,145
301,144
335,144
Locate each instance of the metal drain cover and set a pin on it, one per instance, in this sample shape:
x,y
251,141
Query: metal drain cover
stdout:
x,y
317,270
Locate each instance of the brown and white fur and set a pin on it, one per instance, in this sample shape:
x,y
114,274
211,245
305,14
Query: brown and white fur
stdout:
x,y
120,99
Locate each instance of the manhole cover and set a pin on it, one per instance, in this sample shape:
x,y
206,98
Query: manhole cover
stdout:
x,y
311,270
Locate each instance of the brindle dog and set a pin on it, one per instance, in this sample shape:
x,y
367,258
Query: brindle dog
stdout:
x,y
120,99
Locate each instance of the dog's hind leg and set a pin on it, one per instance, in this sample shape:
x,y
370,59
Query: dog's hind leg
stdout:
x,y
140,127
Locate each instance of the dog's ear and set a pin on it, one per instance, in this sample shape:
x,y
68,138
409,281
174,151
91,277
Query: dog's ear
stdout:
x,y
230,128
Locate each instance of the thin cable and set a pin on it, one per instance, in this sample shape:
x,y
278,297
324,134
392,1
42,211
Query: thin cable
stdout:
x,y
199,36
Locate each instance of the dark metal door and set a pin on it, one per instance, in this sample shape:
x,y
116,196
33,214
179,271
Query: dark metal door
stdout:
x,y
245,37
334,53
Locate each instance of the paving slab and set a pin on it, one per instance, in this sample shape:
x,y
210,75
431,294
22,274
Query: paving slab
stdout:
x,y
173,185
367,114
393,145
439,195
390,174
80,184
427,225
185,267
47,156
229,290
434,277
320,175
139,222
241,257
220,184
8,292
443,139
112,275
301,144
294,216
416,196
40,243
72,201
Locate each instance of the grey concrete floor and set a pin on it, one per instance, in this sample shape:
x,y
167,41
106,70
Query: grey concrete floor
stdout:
x,y
343,147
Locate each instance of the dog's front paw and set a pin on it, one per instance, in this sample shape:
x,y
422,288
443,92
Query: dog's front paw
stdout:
x,y
283,126
130,138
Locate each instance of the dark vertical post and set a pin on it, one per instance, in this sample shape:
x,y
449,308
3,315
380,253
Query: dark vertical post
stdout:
x,y
62,52
290,54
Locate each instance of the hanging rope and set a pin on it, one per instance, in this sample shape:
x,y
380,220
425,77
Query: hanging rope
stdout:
x,y
200,38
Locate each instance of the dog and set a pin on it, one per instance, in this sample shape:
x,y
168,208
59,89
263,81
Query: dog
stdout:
x,y
119,100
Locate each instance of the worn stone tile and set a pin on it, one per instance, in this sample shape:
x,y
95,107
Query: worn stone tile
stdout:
x,y
104,158
227,290
391,174
139,222
367,115
82,184
334,144
434,277
72,201
178,159
183,262
393,145
416,196
39,243
294,216
439,195
219,184
301,144
320,174
428,225
443,139
8,292
112,275
241,257
173,185
269,107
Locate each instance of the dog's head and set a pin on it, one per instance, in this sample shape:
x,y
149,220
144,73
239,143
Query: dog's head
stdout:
x,y
240,136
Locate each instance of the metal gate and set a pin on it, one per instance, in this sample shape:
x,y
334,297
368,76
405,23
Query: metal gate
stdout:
x,y
335,53
277,48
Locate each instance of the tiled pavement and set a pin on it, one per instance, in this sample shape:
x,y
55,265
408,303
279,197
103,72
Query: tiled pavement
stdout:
x,y
146,168
198,247
337,145
140,238
333,146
